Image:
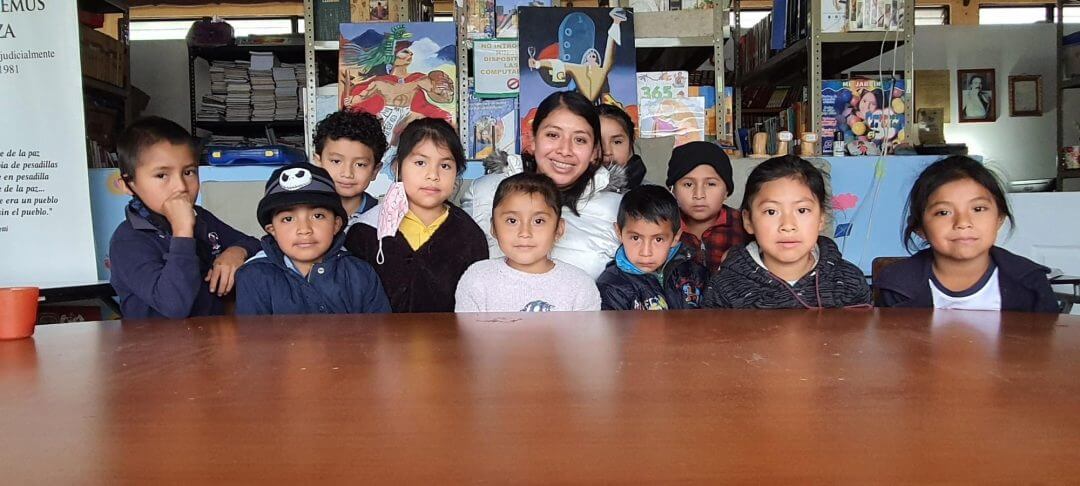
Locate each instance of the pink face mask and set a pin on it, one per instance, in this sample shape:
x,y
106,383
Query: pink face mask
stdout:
x,y
392,211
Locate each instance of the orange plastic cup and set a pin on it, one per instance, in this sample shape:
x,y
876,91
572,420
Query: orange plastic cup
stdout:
x,y
18,312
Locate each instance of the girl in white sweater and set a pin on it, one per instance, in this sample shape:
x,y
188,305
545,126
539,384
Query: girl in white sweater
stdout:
x,y
565,146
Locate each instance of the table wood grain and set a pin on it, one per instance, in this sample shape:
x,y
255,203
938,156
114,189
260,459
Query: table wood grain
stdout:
x,y
613,397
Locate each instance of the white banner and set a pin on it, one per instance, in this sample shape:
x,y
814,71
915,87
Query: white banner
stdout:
x,y
46,234
496,65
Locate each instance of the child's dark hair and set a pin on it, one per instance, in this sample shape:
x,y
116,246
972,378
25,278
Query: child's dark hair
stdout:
x,y
438,131
651,203
145,132
579,105
357,126
528,183
617,114
944,171
786,166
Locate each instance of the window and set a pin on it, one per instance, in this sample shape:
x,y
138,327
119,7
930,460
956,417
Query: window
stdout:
x,y
931,15
1072,15
178,29
1014,15
159,29
748,18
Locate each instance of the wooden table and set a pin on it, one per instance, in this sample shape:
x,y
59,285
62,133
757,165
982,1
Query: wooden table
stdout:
x,y
694,397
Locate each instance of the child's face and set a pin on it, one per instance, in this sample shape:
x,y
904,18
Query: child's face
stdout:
x,y
351,164
429,173
647,244
526,228
164,169
616,143
961,221
701,194
867,104
564,147
785,219
304,234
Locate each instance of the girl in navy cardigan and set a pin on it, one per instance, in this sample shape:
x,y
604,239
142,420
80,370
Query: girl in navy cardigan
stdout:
x,y
957,207
416,239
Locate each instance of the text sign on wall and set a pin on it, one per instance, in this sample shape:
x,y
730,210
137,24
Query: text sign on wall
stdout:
x,y
46,234
496,64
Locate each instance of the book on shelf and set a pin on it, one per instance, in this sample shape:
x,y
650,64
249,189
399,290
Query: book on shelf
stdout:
x,y
834,15
778,35
683,118
778,97
866,110
480,23
506,15
270,40
328,15
666,5
493,126
708,94
875,15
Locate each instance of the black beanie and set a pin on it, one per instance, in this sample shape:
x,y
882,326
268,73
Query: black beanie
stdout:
x,y
299,184
688,156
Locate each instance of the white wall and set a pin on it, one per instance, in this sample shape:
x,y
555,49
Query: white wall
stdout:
x,y
1044,238
1023,148
160,68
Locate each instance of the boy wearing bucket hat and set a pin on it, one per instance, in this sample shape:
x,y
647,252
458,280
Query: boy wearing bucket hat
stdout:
x,y
699,174
303,267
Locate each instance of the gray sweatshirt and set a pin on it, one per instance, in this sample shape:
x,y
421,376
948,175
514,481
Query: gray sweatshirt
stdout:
x,y
493,286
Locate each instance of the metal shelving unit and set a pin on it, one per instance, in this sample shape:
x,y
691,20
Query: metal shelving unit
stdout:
x,y
823,54
286,53
101,95
1064,84
679,28
689,28
311,47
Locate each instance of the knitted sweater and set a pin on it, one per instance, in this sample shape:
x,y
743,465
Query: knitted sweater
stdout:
x,y
743,283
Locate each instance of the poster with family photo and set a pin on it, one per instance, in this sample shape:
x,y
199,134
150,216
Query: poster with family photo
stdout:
x,y
399,72
590,50
977,95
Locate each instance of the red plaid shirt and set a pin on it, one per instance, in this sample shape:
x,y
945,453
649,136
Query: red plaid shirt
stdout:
x,y
726,232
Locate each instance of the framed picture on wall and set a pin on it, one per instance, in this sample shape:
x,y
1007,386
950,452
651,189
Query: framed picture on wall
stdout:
x,y
1025,95
977,94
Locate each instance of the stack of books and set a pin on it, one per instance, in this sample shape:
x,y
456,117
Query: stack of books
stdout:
x,y
238,91
287,100
212,108
261,72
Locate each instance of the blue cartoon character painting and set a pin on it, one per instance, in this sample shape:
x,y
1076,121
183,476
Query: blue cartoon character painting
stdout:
x,y
590,50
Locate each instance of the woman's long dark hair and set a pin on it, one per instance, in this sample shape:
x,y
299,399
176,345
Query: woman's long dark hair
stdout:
x,y
579,105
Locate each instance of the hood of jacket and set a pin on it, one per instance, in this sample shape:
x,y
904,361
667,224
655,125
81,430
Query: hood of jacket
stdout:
x,y
751,267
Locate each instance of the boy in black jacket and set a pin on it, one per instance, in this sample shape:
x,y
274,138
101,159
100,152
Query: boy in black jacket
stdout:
x,y
652,270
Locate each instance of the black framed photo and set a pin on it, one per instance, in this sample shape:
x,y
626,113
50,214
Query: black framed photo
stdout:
x,y
977,95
